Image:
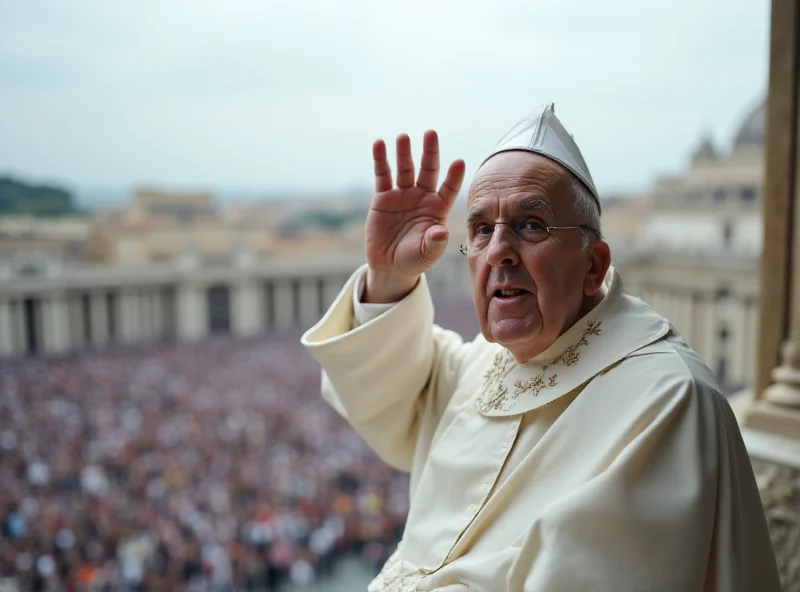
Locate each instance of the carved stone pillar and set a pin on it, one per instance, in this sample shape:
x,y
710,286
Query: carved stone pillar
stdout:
x,y
772,422
777,390
786,387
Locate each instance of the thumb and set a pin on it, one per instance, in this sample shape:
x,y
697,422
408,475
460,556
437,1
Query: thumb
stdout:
x,y
434,244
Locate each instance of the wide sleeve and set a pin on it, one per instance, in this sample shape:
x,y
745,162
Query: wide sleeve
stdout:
x,y
392,377
677,508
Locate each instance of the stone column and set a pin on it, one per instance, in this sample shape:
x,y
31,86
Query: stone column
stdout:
x,y
330,290
192,313
309,302
145,302
130,326
687,328
157,303
752,339
117,313
76,326
675,310
248,309
55,324
98,305
772,421
20,333
283,293
6,330
737,348
707,324
779,380
786,387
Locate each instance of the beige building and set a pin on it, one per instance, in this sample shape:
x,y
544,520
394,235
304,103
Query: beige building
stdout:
x,y
25,240
696,255
159,226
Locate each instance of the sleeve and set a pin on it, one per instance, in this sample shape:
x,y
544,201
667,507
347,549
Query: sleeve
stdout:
x,y
676,509
365,312
391,377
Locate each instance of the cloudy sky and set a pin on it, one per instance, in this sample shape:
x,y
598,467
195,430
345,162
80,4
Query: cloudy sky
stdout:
x,y
270,96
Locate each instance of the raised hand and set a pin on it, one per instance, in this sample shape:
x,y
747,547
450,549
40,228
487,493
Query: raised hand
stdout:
x,y
405,231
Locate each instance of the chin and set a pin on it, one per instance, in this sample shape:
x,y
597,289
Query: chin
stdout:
x,y
509,332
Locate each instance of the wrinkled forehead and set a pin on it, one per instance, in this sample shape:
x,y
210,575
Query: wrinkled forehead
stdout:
x,y
519,175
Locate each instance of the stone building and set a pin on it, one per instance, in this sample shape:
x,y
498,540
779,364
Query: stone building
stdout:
x,y
61,309
159,226
696,255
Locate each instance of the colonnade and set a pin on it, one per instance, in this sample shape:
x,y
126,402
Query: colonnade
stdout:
x,y
721,326
58,321
92,308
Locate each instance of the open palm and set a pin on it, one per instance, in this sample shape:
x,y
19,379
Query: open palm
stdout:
x,y
405,229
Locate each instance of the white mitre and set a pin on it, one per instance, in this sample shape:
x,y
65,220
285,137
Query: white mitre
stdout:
x,y
543,133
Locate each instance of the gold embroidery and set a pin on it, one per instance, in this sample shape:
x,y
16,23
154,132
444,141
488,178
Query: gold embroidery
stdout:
x,y
393,579
495,395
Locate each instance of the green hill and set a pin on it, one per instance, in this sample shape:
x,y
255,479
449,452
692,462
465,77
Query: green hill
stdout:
x,y
18,198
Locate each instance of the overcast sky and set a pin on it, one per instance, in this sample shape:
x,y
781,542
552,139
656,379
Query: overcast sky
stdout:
x,y
270,96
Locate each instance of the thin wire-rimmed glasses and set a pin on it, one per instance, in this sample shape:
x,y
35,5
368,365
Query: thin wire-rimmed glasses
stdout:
x,y
528,231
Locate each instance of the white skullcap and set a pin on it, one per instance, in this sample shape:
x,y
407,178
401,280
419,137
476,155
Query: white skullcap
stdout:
x,y
544,134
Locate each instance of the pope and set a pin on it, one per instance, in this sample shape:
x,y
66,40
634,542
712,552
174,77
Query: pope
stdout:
x,y
577,443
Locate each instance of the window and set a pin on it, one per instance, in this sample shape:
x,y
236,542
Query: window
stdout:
x,y
722,369
727,233
725,302
29,270
749,194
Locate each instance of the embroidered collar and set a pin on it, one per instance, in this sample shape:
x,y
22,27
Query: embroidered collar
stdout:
x,y
618,326
495,393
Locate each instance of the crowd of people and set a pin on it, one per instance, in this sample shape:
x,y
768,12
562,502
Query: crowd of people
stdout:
x,y
210,466
214,466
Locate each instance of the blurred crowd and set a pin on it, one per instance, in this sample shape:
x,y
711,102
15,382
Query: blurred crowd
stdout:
x,y
184,467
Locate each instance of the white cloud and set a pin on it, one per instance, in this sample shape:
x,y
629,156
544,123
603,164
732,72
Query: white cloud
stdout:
x,y
279,95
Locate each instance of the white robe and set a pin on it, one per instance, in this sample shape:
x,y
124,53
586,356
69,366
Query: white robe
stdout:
x,y
609,462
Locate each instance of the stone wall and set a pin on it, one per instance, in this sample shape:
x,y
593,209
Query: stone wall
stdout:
x,y
780,492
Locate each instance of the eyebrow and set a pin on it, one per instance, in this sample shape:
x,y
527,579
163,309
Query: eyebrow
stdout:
x,y
524,205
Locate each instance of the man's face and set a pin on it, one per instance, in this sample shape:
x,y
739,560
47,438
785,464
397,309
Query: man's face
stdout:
x,y
554,275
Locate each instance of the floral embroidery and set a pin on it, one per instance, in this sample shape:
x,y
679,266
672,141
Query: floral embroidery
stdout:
x,y
495,395
393,579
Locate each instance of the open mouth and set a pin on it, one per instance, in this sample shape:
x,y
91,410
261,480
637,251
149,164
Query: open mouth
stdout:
x,y
507,294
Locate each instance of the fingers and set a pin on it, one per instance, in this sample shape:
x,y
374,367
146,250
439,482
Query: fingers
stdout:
x,y
452,183
383,172
405,164
434,244
429,169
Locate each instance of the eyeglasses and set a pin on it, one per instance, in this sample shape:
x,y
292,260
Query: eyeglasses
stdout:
x,y
530,231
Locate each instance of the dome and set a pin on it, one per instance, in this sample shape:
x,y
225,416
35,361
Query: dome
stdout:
x,y
752,129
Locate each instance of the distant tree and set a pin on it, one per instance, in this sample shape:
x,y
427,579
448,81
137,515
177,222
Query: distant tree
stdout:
x,y
18,198
333,221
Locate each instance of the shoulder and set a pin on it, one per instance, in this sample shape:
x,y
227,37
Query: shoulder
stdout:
x,y
665,373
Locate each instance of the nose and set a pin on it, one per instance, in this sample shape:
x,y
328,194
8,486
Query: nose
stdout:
x,y
502,251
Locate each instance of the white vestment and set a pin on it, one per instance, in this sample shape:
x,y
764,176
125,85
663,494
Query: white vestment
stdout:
x,y
611,461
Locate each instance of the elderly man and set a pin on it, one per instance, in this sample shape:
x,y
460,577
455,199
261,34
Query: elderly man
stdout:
x,y
578,443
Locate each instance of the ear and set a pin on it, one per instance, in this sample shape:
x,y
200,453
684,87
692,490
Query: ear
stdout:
x,y
598,261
